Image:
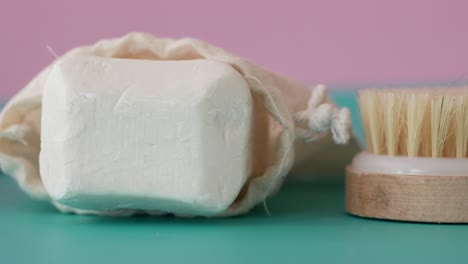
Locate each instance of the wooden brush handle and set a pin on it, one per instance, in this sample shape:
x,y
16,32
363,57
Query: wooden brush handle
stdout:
x,y
438,199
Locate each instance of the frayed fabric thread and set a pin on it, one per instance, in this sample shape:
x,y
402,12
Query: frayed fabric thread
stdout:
x,y
265,207
52,52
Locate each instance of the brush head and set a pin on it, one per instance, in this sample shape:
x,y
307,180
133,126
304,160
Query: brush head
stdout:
x,y
416,122
415,168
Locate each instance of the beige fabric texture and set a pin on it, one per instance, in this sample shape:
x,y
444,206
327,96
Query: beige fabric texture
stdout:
x,y
277,101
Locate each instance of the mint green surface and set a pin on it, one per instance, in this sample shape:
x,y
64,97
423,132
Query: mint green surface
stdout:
x,y
307,225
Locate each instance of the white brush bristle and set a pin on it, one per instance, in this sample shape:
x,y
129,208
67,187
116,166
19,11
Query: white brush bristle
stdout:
x,y
416,122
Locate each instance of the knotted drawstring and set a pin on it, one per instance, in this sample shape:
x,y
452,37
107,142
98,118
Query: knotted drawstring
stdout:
x,y
322,117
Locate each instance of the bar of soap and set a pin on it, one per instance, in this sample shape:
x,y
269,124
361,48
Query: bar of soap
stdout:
x,y
171,136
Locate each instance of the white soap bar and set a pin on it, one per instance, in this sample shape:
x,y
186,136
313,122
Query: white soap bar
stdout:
x,y
150,135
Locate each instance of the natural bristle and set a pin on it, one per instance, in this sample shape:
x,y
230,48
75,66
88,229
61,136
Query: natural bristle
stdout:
x,y
416,122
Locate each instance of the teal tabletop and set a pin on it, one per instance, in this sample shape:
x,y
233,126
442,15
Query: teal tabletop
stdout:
x,y
307,224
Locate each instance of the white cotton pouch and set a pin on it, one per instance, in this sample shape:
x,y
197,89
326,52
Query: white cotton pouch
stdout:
x,y
83,133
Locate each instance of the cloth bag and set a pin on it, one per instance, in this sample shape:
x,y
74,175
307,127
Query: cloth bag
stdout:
x,y
294,126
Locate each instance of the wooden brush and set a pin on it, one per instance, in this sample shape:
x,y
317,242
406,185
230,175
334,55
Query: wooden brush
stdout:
x,y
416,166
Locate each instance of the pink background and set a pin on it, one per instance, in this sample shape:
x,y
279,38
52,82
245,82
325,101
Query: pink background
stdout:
x,y
337,42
